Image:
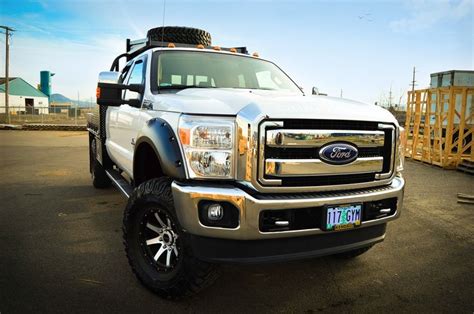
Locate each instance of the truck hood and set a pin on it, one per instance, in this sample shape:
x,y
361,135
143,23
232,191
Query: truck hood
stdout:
x,y
274,104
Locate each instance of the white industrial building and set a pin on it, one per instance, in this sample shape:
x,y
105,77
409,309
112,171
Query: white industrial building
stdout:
x,y
23,97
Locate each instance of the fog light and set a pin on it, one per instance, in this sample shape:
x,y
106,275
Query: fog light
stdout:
x,y
215,212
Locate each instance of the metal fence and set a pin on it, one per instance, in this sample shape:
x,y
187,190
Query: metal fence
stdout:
x,y
67,115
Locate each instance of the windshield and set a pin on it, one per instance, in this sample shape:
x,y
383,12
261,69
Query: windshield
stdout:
x,y
183,69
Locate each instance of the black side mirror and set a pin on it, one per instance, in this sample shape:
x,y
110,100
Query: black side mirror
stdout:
x,y
110,94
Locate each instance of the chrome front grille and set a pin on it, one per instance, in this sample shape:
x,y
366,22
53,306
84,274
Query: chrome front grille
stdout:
x,y
289,152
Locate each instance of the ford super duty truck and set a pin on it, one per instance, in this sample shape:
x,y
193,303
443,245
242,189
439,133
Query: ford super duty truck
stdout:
x,y
223,158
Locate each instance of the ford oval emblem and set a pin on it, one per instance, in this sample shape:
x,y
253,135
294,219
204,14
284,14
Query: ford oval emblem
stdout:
x,y
338,153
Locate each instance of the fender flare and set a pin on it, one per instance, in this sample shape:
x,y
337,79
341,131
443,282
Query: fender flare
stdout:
x,y
161,137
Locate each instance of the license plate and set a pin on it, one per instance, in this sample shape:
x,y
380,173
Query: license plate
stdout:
x,y
343,217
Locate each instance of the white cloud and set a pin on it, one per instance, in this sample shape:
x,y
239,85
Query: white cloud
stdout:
x,y
426,13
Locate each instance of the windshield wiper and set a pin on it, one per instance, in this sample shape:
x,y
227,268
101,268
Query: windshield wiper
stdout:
x,y
183,86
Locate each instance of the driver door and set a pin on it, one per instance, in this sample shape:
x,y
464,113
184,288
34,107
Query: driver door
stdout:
x,y
127,117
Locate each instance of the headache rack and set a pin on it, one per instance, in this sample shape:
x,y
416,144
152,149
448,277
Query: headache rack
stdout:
x,y
136,47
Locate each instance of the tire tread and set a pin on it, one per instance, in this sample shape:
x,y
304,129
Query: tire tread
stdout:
x,y
196,275
179,34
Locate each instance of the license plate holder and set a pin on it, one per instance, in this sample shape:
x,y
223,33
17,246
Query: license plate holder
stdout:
x,y
342,217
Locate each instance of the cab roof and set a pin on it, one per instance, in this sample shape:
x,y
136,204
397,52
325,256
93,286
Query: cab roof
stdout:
x,y
137,47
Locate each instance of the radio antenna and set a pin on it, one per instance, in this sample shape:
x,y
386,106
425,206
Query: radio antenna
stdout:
x,y
163,28
162,37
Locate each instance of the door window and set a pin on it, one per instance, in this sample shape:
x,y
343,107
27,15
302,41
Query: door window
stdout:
x,y
136,77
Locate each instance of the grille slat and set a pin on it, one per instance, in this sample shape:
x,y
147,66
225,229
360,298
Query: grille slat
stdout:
x,y
328,180
331,124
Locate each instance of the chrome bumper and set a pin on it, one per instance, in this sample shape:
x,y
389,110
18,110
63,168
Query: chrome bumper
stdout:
x,y
187,198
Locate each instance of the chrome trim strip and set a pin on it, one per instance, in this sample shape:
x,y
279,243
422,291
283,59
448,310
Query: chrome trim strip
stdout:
x,y
261,153
316,138
187,198
317,167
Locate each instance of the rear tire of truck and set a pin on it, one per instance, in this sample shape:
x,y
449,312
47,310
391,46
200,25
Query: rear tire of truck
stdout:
x,y
156,246
353,253
100,180
179,34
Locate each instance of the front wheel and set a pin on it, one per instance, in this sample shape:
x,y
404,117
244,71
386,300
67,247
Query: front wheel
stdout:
x,y
157,248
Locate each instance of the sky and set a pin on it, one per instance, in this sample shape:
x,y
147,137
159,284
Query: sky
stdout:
x,y
360,49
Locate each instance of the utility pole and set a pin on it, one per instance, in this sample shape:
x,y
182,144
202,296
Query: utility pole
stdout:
x,y
75,111
413,84
7,61
413,80
390,97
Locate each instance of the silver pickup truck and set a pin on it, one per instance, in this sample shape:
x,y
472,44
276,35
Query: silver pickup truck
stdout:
x,y
224,159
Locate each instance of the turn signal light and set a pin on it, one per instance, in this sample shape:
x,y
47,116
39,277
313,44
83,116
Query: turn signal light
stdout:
x,y
97,93
185,136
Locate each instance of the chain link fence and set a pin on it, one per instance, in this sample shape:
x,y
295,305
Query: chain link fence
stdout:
x,y
63,115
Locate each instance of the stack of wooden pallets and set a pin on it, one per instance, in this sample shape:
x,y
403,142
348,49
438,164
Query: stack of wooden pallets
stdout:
x,y
440,125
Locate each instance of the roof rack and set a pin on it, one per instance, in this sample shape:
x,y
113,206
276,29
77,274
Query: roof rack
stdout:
x,y
136,47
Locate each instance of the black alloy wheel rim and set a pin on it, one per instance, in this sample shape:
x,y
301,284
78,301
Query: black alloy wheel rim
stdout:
x,y
159,240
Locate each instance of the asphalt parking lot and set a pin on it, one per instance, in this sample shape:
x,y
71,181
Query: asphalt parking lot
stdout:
x,y
61,249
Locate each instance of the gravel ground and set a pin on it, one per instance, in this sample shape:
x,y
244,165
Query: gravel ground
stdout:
x,y
61,250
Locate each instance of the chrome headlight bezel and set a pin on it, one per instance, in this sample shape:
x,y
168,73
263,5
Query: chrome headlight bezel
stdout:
x,y
208,145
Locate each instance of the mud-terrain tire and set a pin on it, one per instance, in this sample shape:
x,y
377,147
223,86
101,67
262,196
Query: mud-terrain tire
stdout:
x,y
100,180
353,253
178,34
149,217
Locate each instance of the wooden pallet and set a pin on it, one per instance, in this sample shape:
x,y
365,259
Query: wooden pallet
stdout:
x,y
439,126
466,166
465,198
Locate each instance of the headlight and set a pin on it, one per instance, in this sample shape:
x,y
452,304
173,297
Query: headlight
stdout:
x,y
208,145
401,149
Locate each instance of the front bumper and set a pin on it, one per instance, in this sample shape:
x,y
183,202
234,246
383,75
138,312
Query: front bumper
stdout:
x,y
286,249
187,197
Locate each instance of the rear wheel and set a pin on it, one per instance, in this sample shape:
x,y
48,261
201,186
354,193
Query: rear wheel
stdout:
x,y
156,246
353,253
100,180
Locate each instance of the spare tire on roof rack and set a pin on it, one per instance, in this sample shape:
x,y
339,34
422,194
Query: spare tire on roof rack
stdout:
x,y
179,34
